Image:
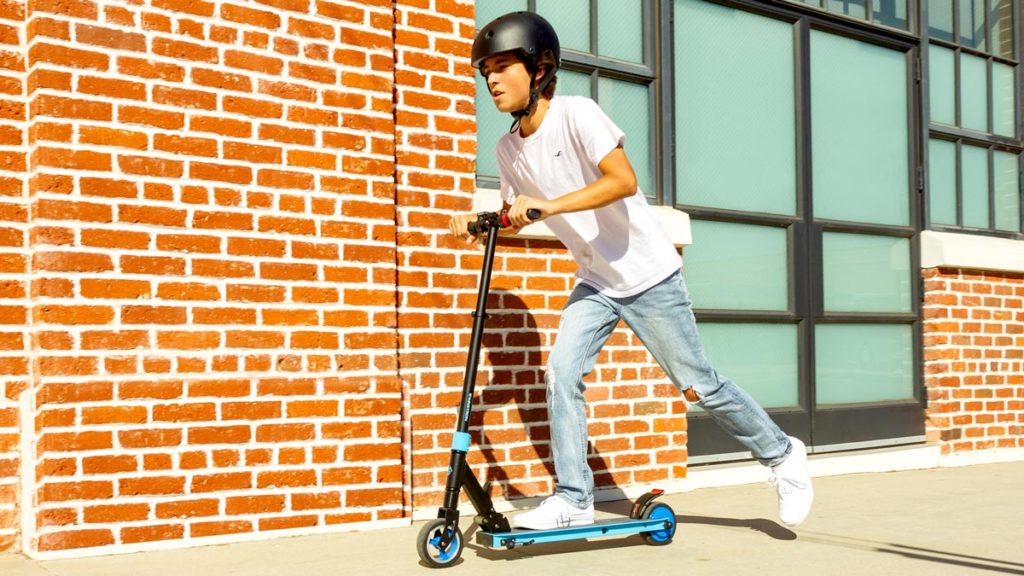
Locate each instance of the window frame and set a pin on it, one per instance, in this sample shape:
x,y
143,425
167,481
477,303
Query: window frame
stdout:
x,y
834,427
961,137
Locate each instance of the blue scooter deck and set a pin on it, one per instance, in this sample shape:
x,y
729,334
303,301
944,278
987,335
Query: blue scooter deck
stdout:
x,y
599,529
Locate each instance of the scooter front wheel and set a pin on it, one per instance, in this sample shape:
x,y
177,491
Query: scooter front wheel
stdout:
x,y
428,545
663,536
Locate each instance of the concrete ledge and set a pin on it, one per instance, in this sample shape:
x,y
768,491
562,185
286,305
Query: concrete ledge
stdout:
x,y
895,459
971,252
676,222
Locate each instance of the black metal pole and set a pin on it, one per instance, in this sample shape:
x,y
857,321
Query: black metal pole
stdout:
x,y
457,467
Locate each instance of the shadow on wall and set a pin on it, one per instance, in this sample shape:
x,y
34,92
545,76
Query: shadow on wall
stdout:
x,y
510,419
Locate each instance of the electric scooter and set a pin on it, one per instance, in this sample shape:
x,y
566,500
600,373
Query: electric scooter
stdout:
x,y
440,541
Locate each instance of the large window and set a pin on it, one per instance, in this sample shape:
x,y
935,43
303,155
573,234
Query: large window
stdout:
x,y
795,157
974,145
607,55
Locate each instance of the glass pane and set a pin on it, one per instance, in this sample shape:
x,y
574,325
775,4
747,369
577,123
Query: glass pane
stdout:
x,y
942,182
940,19
865,273
1007,184
863,363
860,131
975,186
490,126
941,84
735,131
737,266
973,92
572,83
571,19
760,358
620,30
487,10
853,8
628,105
1001,20
1003,119
890,12
972,23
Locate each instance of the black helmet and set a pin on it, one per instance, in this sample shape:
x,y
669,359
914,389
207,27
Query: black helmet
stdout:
x,y
522,31
532,37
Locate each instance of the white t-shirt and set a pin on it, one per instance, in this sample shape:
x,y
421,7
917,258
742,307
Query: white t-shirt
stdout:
x,y
621,249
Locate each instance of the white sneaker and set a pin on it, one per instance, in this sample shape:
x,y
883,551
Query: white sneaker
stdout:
x,y
554,512
793,484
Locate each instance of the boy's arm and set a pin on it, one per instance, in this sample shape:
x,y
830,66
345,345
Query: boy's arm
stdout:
x,y
617,181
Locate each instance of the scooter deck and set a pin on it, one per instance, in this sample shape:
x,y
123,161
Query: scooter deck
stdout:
x,y
600,528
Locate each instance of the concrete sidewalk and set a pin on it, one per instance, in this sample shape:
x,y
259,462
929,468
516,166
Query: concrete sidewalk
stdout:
x,y
946,521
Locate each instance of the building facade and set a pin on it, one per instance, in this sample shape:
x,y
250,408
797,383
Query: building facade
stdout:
x,y
230,309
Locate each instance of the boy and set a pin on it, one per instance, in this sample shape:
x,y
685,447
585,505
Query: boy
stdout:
x,y
565,158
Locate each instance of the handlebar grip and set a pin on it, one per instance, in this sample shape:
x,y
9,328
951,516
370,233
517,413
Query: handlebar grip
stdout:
x,y
532,214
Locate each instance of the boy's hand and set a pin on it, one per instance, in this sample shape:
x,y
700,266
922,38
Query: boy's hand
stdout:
x,y
517,212
459,227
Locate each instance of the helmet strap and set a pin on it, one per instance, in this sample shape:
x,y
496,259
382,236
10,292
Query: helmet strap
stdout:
x,y
535,92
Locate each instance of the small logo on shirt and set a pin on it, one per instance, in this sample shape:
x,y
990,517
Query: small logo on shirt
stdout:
x,y
559,154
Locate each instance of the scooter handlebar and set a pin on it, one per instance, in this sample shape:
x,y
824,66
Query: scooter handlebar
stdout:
x,y
484,220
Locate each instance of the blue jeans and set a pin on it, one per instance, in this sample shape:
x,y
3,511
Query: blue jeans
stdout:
x,y
663,319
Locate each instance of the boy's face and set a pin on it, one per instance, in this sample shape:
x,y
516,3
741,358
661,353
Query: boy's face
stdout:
x,y
508,81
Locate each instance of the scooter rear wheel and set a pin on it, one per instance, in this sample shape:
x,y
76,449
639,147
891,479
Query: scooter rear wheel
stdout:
x,y
663,536
428,545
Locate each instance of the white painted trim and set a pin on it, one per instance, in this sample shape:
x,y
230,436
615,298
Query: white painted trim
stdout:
x,y
27,471
895,459
119,549
971,251
675,222
997,456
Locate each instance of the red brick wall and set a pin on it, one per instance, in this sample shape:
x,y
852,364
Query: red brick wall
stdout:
x,y
14,336
974,359
213,268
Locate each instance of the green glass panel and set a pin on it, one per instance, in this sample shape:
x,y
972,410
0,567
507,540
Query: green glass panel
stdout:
x,y
628,105
1002,28
975,186
860,131
488,10
572,83
855,8
941,84
863,363
973,92
1007,191
735,131
490,126
940,19
1004,119
761,358
571,19
864,273
942,182
620,30
811,2
972,23
737,266
890,12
